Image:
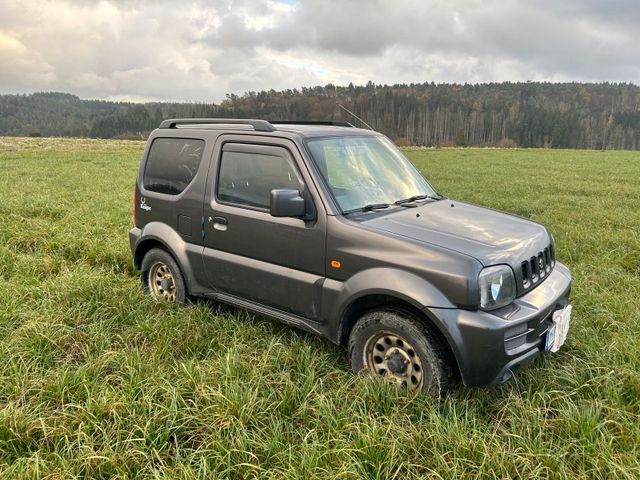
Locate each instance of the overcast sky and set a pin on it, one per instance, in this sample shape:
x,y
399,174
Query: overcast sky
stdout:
x,y
201,50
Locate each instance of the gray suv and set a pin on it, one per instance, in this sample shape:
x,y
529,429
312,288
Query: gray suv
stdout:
x,y
331,229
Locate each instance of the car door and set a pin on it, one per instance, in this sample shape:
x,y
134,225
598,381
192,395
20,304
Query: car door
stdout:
x,y
277,262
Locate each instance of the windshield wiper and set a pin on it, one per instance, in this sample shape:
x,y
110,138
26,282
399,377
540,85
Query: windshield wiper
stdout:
x,y
415,198
369,207
403,202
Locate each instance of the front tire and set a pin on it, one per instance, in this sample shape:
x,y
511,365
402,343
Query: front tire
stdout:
x,y
161,277
400,347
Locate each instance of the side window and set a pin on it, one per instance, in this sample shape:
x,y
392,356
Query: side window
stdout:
x,y
248,178
171,165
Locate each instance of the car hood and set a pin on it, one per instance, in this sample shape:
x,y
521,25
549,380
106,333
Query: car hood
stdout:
x,y
490,236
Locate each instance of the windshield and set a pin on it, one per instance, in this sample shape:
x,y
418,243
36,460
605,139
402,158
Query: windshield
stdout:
x,y
366,170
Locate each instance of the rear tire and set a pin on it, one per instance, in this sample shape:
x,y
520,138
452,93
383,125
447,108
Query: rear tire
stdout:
x,y
161,277
399,346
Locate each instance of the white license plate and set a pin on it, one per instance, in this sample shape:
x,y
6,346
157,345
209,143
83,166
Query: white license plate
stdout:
x,y
557,334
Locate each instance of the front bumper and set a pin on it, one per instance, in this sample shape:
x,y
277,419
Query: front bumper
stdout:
x,y
490,346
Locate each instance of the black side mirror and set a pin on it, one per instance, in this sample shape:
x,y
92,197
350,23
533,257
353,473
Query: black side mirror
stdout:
x,y
285,202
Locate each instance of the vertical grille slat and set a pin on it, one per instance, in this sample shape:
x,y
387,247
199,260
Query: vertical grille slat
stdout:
x,y
534,269
526,274
542,268
537,268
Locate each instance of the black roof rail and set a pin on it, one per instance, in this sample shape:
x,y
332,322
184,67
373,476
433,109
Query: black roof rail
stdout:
x,y
313,122
258,125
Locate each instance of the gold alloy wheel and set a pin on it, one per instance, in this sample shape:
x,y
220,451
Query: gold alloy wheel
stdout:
x,y
394,358
161,282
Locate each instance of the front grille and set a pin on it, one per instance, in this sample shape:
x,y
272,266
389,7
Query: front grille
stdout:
x,y
536,268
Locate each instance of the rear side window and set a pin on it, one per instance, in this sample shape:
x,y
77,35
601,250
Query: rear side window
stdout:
x,y
172,163
248,178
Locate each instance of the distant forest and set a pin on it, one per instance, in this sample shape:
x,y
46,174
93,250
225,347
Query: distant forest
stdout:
x,y
531,114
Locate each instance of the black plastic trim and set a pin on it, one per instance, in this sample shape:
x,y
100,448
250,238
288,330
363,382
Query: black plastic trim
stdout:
x,y
285,317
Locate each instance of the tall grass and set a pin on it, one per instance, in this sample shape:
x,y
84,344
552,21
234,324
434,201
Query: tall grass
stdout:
x,y
98,381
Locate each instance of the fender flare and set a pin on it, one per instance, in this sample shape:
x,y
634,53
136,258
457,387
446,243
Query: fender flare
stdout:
x,y
402,285
173,243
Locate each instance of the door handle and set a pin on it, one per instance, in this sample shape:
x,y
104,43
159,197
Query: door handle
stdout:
x,y
219,223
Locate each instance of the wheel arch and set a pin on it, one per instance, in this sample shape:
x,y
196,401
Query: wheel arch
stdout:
x,y
374,287
159,235
145,246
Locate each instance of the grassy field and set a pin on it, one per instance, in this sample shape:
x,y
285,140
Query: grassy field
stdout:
x,y
98,381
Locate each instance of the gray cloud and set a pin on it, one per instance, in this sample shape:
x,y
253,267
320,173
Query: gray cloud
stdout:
x,y
200,50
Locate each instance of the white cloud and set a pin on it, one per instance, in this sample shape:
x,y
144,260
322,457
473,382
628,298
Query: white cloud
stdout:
x,y
25,65
201,50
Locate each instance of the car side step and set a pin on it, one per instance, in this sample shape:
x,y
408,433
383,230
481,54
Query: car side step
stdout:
x,y
294,320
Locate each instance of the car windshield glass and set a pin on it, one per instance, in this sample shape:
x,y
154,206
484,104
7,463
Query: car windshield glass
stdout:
x,y
366,170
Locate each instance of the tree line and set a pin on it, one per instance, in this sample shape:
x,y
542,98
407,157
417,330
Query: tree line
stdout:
x,y
525,114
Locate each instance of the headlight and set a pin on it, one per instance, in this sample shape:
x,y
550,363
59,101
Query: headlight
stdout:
x,y
497,287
